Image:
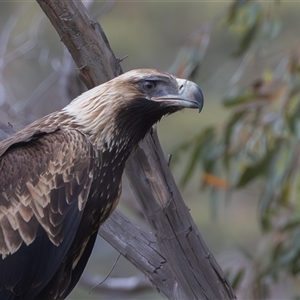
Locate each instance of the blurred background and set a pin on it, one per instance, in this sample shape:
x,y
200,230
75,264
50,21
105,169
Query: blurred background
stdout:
x,y
236,163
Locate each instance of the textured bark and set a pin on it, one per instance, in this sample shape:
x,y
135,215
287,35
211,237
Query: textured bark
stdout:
x,y
179,250
141,249
85,40
196,270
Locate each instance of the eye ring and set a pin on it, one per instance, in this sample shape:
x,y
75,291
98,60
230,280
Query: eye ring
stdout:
x,y
149,86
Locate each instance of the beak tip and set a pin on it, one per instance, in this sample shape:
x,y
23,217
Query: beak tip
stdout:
x,y
199,97
191,92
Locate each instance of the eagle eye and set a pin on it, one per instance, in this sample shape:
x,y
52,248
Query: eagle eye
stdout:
x,y
149,86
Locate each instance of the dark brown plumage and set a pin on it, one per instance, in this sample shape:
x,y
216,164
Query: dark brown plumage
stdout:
x,y
61,178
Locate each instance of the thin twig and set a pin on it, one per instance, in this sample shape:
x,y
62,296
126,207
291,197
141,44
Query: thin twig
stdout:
x,y
109,273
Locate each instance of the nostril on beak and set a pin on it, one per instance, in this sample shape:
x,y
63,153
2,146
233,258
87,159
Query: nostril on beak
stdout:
x,y
181,87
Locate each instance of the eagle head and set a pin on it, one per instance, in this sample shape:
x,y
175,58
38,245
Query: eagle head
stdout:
x,y
119,112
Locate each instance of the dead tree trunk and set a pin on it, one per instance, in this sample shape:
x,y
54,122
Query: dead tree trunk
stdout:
x,y
176,258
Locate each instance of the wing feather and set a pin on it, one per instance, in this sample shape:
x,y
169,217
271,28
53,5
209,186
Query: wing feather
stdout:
x,y
40,180
44,184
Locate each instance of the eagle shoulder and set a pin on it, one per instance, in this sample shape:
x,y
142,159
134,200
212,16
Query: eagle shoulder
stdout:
x,y
41,179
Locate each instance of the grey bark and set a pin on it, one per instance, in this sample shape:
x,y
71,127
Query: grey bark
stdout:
x,y
177,261
196,270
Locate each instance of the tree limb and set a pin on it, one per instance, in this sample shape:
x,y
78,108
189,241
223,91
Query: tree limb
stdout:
x,y
85,40
193,265
198,274
141,249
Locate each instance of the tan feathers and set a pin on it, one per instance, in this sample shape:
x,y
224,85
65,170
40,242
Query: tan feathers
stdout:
x,y
28,192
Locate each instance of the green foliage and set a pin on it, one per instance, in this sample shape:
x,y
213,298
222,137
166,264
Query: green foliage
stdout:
x,y
252,21
259,146
236,280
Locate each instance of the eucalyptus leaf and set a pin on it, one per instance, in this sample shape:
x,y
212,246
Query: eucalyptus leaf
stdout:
x,y
236,280
240,99
260,167
202,142
247,40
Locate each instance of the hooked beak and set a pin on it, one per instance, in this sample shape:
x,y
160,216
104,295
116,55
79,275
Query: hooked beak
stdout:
x,y
189,96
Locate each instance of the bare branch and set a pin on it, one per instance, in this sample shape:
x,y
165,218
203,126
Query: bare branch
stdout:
x,y
31,41
84,38
201,278
140,248
192,264
115,284
26,105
